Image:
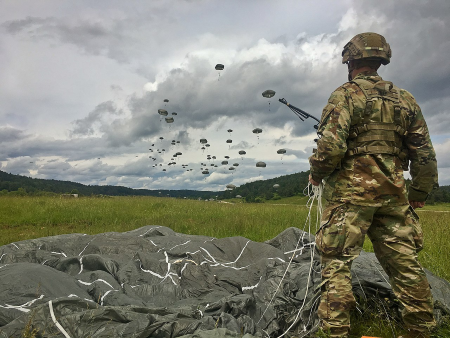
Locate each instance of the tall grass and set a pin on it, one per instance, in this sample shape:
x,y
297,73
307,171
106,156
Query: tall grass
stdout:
x,y
32,217
24,218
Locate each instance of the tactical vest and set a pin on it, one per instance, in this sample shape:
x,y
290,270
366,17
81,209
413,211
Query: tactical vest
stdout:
x,y
380,126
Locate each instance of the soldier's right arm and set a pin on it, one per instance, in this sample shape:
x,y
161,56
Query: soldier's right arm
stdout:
x,y
423,165
333,128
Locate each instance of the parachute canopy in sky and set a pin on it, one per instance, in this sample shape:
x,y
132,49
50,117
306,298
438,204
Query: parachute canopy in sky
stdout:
x,y
257,131
219,66
268,93
169,119
281,151
261,164
163,112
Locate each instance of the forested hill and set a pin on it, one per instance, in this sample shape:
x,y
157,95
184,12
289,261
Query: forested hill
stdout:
x,y
22,185
294,184
257,191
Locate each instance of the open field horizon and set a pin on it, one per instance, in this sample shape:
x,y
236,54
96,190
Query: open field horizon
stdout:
x,y
34,217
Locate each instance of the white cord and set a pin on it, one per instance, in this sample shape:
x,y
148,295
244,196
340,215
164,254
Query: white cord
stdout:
x,y
316,195
58,325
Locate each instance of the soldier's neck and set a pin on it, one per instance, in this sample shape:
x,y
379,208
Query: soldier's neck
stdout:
x,y
361,70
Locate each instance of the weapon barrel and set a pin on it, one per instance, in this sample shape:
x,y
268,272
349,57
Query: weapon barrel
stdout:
x,y
298,111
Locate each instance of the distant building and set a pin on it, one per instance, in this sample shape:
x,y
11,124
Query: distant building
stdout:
x,y
69,195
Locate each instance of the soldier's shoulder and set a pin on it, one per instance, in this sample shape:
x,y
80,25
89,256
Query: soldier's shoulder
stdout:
x,y
406,95
407,99
347,86
343,92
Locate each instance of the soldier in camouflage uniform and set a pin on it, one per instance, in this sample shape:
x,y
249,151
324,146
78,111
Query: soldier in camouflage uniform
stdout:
x,y
370,132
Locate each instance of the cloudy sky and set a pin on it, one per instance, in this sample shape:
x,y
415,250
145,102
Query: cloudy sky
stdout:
x,y
81,83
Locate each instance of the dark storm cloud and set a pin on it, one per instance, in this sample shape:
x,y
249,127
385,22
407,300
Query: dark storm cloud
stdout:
x,y
243,145
20,166
200,100
8,134
85,126
28,145
140,167
17,26
96,37
184,138
301,154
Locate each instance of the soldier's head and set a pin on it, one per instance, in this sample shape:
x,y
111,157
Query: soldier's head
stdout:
x,y
366,50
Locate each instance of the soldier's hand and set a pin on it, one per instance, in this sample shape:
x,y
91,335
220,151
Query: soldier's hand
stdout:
x,y
416,204
312,181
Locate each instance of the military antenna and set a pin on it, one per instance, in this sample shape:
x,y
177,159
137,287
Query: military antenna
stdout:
x,y
302,115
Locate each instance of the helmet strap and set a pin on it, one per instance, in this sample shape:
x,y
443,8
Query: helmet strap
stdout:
x,y
351,67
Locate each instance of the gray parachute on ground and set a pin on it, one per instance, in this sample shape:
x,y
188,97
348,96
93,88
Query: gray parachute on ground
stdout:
x,y
153,282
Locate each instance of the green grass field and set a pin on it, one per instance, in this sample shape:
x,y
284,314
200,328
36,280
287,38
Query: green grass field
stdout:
x,y
24,218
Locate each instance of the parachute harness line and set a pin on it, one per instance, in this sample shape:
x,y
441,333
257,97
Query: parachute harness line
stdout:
x,y
58,325
314,193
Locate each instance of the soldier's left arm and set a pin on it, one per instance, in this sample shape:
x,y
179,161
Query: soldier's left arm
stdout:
x,y
423,165
334,128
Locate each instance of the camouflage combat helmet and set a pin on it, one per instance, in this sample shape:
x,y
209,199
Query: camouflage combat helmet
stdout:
x,y
367,46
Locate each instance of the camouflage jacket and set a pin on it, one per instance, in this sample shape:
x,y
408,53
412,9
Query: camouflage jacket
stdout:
x,y
371,179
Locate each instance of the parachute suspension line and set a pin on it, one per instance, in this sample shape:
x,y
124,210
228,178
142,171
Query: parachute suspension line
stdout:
x,y
316,194
57,324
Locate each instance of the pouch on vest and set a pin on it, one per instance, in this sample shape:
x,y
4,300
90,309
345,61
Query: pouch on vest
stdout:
x,y
380,126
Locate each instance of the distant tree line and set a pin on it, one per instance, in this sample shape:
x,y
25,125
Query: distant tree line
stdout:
x,y
19,185
253,192
258,191
295,184
440,195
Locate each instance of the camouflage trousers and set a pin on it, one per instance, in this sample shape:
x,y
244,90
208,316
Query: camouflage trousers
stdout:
x,y
396,236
